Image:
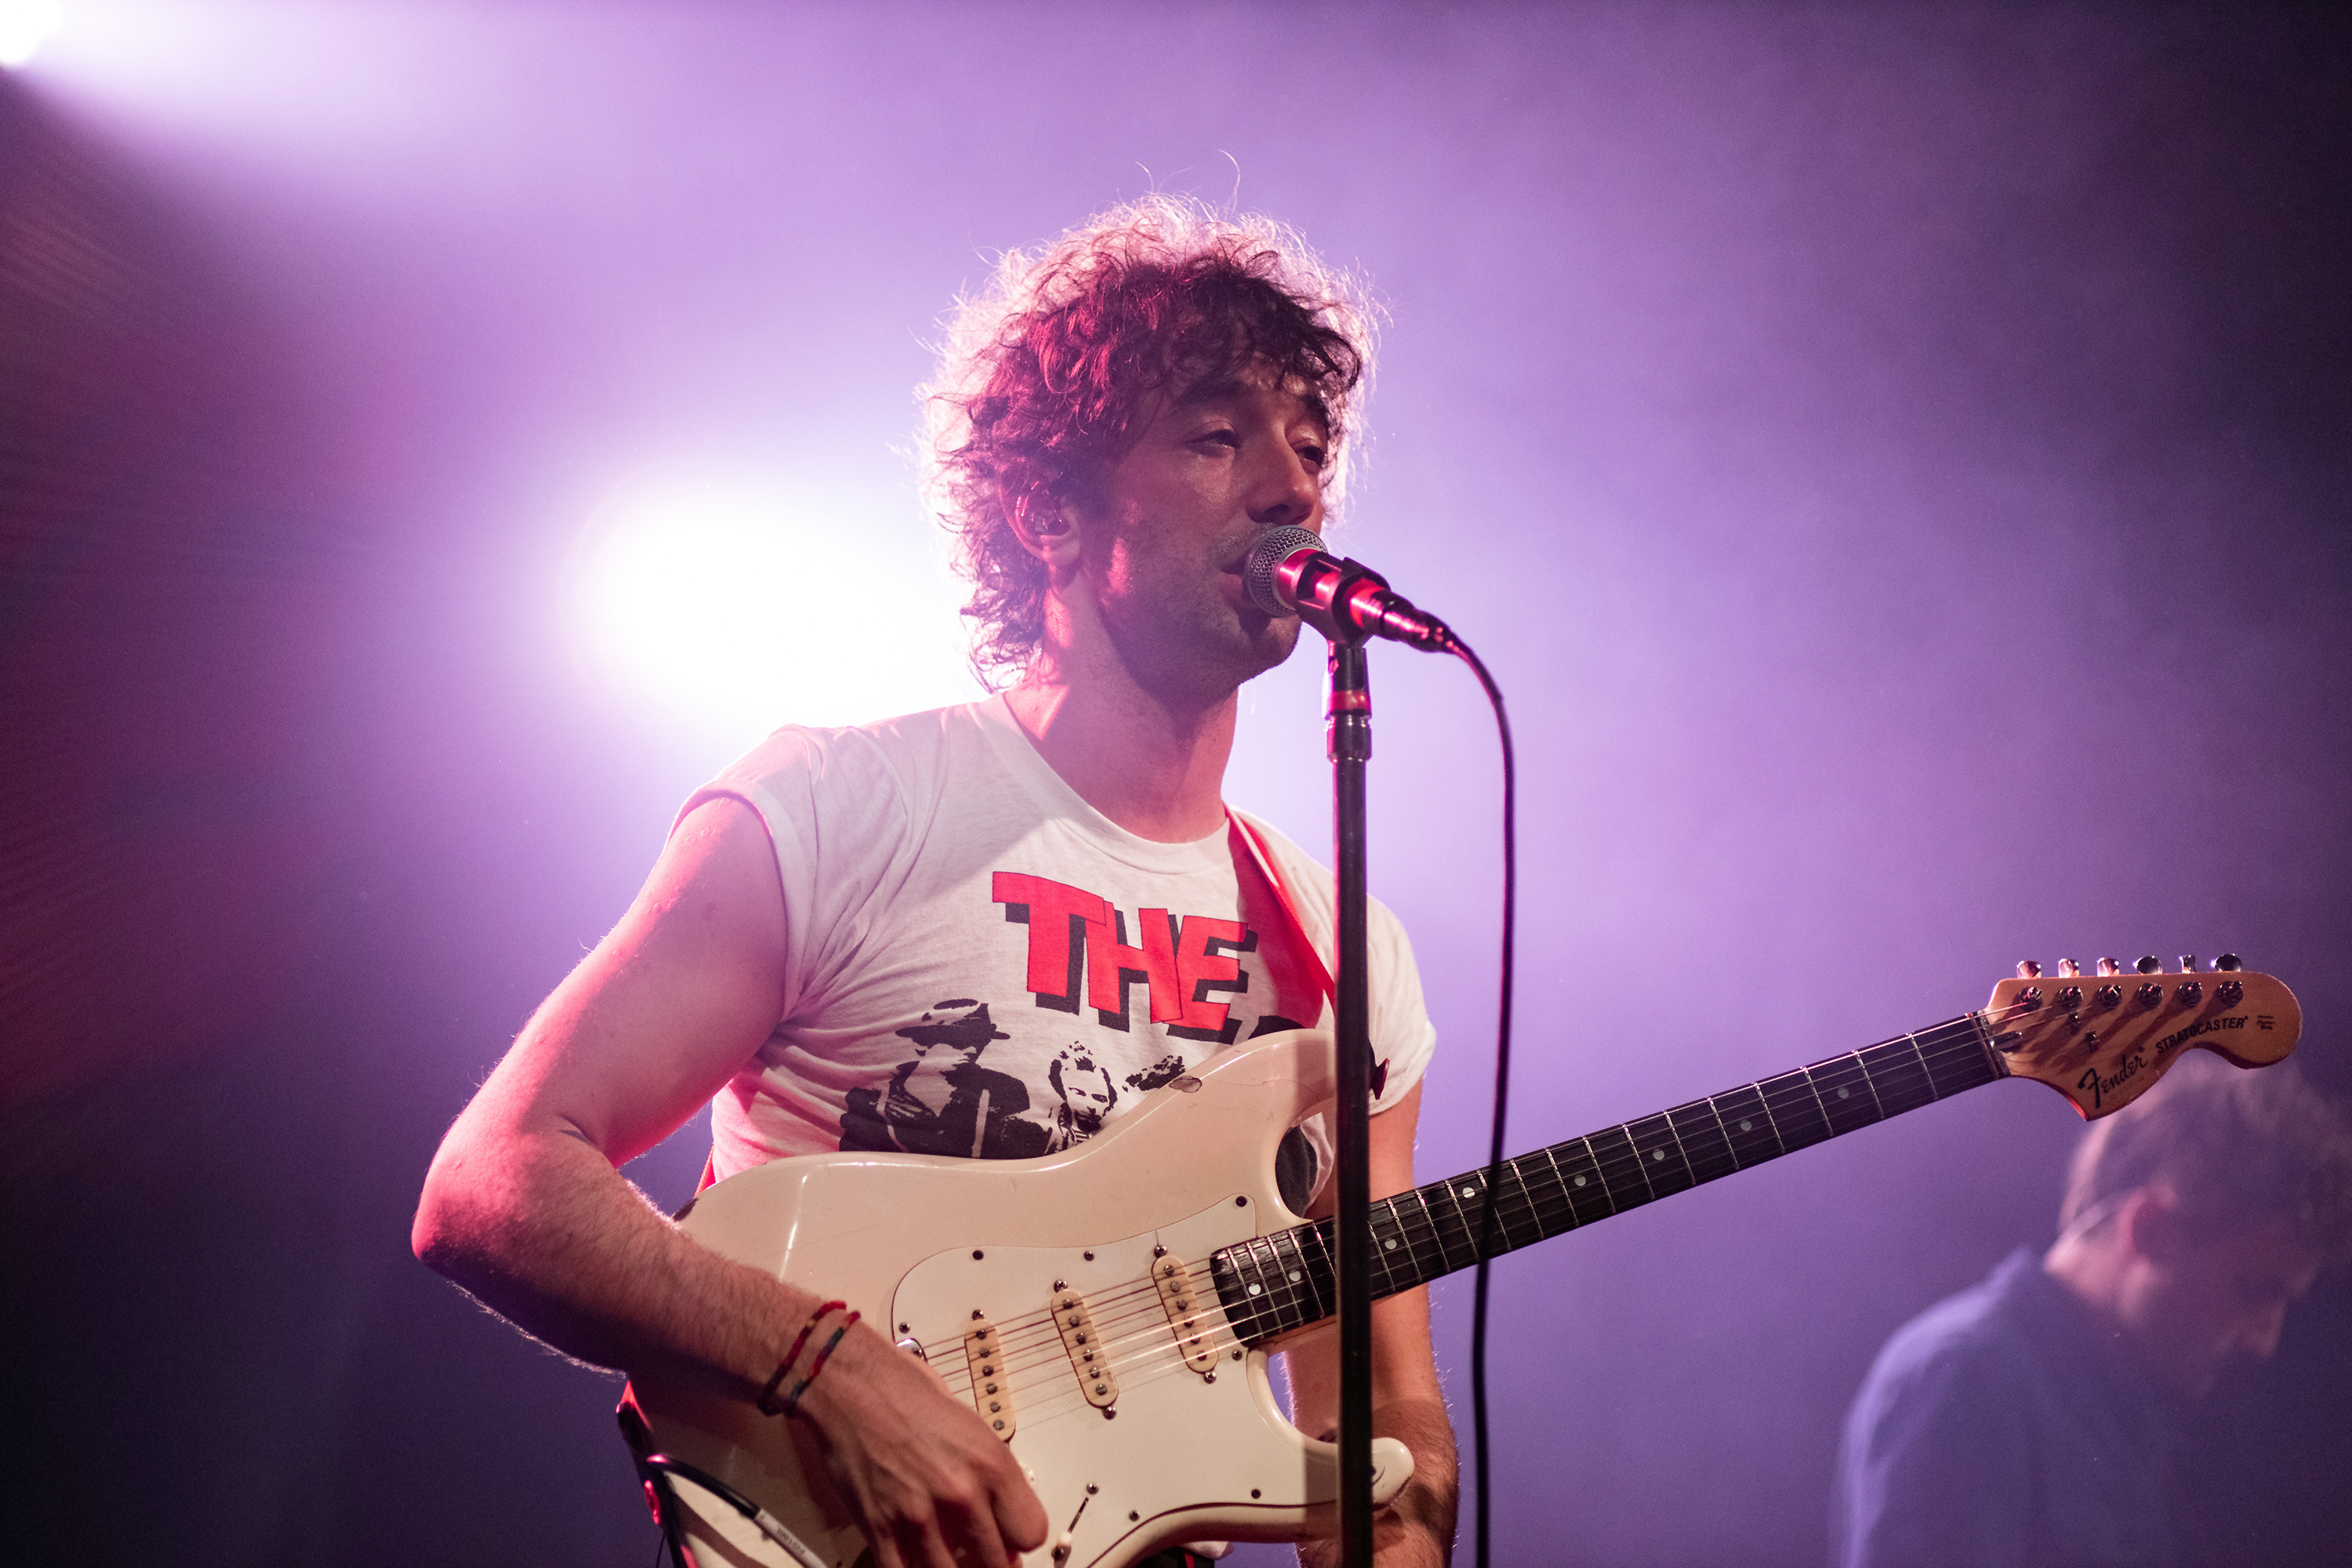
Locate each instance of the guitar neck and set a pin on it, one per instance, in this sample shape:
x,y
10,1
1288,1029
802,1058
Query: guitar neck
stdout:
x,y
1274,1284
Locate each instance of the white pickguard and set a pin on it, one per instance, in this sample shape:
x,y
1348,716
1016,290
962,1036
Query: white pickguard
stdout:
x,y
1181,1459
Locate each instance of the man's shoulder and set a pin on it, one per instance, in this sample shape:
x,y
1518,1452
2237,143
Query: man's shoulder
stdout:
x,y
1978,1341
888,753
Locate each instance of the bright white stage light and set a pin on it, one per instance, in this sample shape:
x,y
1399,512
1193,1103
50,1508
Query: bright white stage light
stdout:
x,y
743,610
24,25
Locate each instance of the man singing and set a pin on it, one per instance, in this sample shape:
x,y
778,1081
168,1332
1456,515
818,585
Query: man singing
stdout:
x,y
986,930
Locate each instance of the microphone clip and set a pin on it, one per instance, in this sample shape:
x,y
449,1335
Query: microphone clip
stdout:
x,y
1349,602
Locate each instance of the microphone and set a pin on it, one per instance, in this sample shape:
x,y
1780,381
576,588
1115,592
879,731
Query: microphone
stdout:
x,y
1290,573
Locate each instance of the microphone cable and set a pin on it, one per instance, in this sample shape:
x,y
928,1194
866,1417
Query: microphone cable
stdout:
x,y
1463,651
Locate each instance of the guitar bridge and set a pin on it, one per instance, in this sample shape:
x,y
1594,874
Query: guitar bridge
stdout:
x,y
992,1392
1175,1282
1088,1356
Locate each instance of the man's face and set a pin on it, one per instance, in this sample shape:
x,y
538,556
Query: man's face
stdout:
x,y
1169,530
2212,1296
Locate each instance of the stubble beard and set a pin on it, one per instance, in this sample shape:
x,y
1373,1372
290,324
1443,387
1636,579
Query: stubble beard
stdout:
x,y
1184,642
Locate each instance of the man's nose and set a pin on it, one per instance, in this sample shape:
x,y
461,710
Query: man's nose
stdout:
x,y
1285,492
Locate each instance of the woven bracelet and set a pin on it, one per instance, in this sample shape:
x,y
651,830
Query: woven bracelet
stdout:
x,y
793,1400
767,1400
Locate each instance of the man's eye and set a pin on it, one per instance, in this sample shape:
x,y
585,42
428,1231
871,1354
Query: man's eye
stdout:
x,y
1311,456
1222,438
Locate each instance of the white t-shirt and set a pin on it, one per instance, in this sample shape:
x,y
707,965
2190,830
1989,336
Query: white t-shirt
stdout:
x,y
978,963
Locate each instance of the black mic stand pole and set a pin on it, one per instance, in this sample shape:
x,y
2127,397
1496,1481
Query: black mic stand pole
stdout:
x,y
1349,740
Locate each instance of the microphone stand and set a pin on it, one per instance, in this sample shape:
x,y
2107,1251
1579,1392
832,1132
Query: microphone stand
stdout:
x,y
1348,603
1348,740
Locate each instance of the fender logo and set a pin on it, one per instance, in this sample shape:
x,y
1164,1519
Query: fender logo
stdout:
x,y
2099,1085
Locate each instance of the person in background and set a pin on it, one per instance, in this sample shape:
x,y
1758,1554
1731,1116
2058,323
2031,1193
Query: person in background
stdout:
x,y
2030,1419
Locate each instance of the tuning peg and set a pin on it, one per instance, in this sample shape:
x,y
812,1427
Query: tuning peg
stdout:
x,y
2109,966
2148,965
2228,963
2188,963
2028,970
2069,968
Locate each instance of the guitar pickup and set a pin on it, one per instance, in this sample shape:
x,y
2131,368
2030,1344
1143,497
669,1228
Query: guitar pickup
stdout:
x,y
991,1391
1088,1356
1175,1282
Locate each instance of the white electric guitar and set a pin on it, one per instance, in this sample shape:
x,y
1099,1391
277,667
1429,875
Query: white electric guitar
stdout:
x,y
1108,1310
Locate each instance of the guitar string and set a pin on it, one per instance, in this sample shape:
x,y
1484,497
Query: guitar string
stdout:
x,y
1937,1048
1035,1350
1945,1043
1016,1360
1034,1340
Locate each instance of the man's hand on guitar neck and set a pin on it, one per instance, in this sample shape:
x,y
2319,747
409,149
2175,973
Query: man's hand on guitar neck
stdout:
x,y
1416,1528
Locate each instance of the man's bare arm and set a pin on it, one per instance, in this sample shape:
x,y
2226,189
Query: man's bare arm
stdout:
x,y
525,1206
1407,1402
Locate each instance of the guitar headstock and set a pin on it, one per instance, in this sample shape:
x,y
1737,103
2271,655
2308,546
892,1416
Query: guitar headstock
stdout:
x,y
2103,1040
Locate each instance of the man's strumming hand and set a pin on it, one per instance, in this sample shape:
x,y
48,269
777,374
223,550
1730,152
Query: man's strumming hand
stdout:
x,y
925,1478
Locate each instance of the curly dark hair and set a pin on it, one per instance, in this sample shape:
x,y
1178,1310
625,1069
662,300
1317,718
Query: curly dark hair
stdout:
x,y
1046,370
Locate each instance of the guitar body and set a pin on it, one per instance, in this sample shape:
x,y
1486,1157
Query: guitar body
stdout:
x,y
926,1246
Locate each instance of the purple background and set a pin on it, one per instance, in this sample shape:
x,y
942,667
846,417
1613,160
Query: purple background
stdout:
x,y
1895,464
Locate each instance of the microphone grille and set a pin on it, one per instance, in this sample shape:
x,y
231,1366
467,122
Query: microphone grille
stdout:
x,y
1274,547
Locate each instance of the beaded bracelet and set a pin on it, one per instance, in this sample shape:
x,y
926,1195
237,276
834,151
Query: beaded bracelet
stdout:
x,y
766,1402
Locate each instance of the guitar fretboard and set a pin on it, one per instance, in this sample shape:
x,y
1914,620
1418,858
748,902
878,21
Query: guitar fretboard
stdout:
x,y
1273,1284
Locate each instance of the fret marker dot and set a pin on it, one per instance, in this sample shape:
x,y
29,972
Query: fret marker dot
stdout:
x,y
1295,1276
1469,1192
1579,1181
1747,1126
1391,1246
1843,1093
1657,1154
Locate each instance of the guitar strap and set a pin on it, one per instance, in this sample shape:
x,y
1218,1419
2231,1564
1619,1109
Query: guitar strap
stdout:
x,y
1250,855
1251,861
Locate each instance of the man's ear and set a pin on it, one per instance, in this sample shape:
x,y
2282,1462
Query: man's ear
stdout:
x,y
1048,528
2153,1224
